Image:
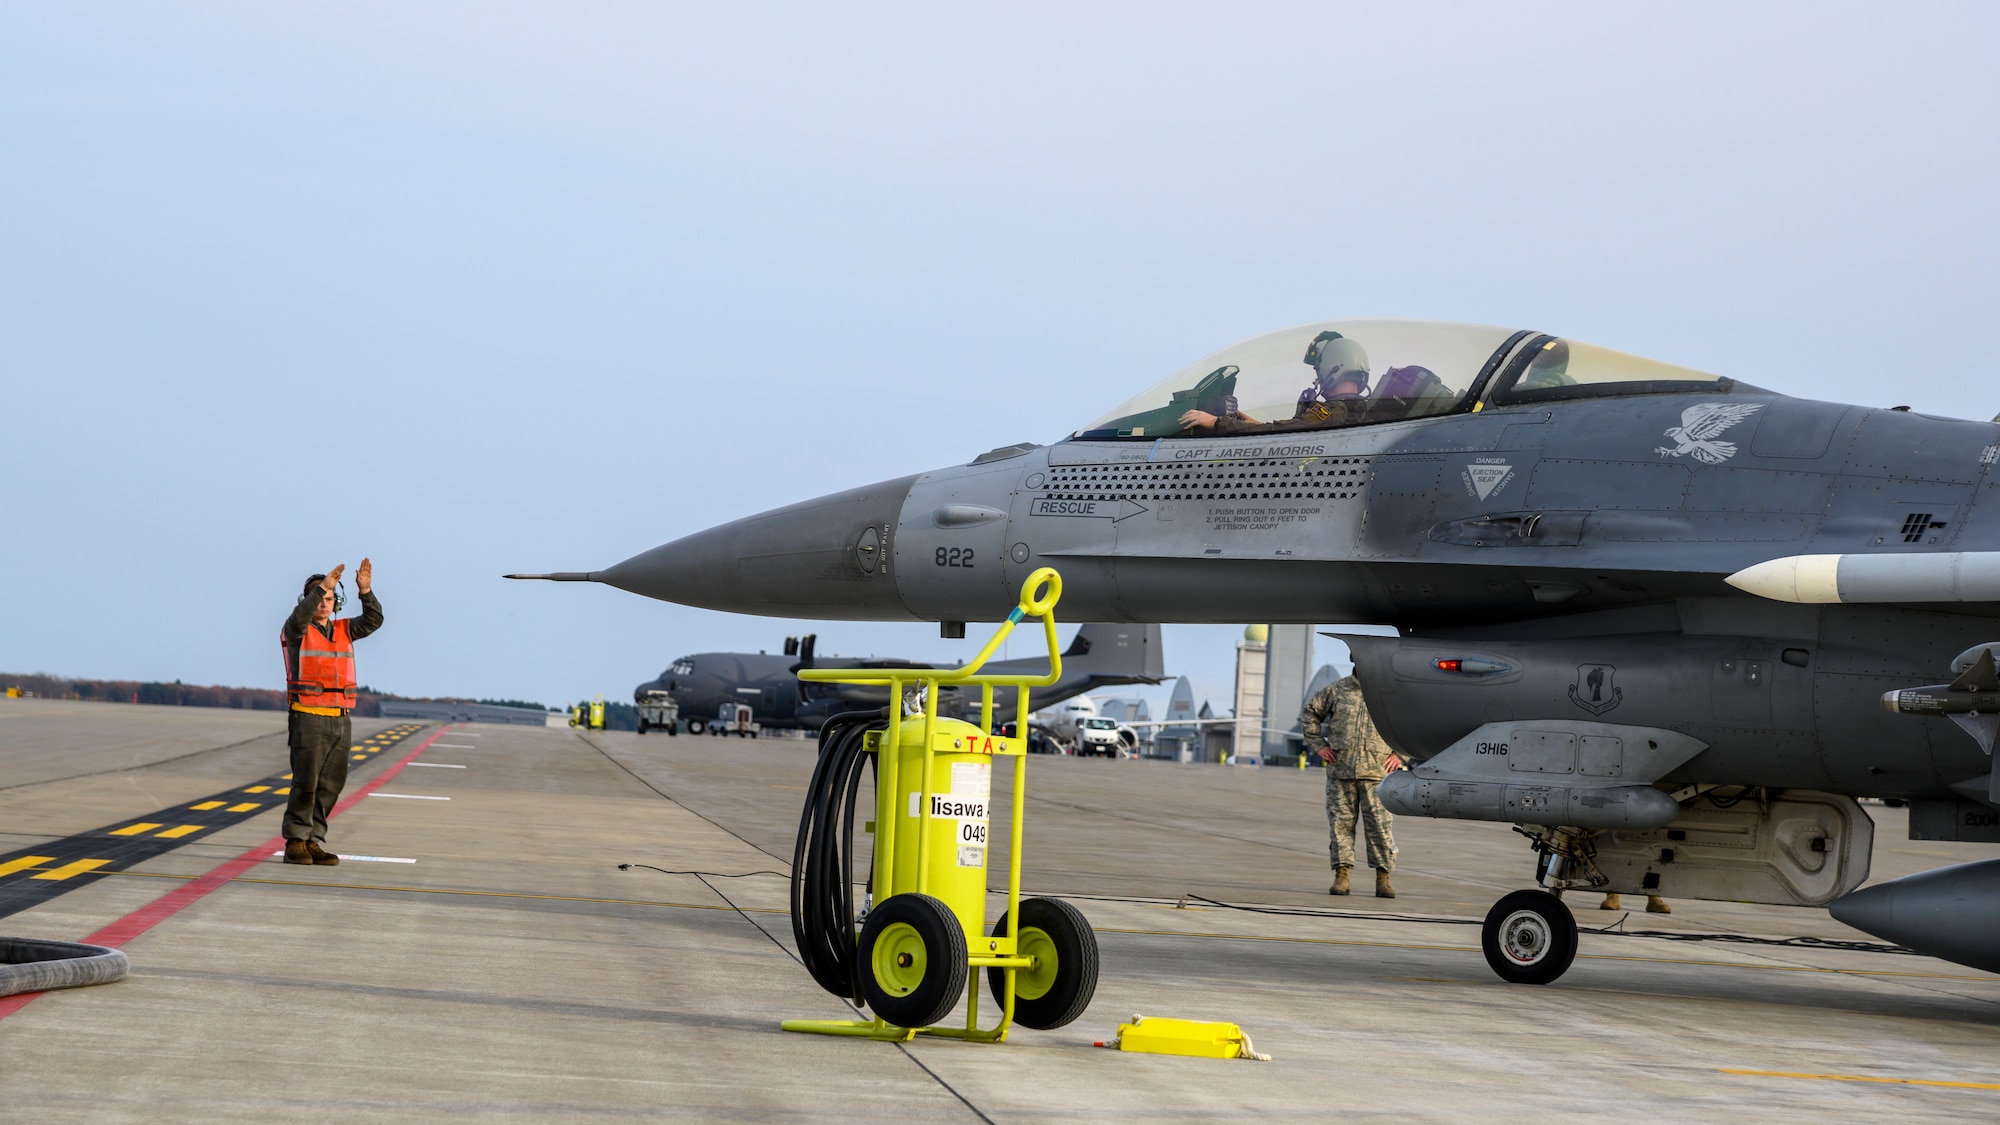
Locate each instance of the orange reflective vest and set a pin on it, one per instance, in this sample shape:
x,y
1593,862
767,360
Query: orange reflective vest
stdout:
x,y
320,672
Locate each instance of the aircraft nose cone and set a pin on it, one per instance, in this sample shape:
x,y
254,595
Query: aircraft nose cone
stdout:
x,y
825,558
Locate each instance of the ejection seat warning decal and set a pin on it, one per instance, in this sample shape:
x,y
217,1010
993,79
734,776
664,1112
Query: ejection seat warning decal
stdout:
x,y
967,805
1486,476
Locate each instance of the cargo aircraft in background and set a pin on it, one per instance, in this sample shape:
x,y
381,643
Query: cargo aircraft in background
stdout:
x,y
1670,623
706,685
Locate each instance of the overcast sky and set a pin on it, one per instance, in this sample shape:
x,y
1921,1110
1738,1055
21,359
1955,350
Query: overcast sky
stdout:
x,y
477,288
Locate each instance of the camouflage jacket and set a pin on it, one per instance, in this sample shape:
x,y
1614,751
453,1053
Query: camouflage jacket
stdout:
x,y
1336,718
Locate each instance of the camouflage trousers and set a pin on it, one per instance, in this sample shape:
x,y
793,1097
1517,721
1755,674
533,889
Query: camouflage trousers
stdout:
x,y
1347,799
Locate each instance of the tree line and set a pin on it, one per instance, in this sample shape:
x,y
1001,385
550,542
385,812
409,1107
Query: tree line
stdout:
x,y
178,694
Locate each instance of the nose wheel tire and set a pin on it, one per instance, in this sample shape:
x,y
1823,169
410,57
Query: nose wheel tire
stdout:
x,y
912,960
1529,937
696,726
1064,977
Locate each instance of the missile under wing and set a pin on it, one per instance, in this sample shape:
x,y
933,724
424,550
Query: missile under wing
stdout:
x,y
1628,594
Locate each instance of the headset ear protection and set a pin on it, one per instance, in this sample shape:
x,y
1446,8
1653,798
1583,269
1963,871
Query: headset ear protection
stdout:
x,y
339,591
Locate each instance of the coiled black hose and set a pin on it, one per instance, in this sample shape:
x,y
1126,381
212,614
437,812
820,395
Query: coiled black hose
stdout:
x,y
823,857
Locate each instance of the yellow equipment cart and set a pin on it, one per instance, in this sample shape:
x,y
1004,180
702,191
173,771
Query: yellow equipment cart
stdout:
x,y
922,930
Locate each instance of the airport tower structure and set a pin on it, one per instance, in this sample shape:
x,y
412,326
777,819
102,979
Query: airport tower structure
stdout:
x,y
1251,655
1288,656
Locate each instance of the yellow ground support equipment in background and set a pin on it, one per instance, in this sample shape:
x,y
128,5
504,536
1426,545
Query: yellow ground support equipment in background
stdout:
x,y
1155,1035
925,931
589,716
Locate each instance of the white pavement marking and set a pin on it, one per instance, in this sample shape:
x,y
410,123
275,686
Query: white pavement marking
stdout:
x,y
437,765
410,796
364,858
453,746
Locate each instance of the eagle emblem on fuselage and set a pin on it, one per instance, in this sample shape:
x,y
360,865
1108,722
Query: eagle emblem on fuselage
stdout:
x,y
1700,424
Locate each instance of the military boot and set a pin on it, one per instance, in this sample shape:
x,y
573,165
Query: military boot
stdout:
x,y
297,852
1657,905
1610,902
1382,887
1339,881
320,855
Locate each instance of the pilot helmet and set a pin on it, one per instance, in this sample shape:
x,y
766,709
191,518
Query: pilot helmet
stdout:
x,y
1335,357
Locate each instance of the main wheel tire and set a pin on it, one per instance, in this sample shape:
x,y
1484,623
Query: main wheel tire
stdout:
x,y
1061,984
1529,937
912,960
696,726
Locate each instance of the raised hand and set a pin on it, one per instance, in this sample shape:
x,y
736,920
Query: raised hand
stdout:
x,y
332,578
364,576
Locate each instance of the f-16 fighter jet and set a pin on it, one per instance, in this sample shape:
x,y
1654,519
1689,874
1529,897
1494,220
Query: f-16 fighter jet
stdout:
x,y
1670,623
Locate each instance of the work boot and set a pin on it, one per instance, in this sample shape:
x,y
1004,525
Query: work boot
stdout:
x,y
320,855
1339,881
1382,887
297,852
1657,905
1610,902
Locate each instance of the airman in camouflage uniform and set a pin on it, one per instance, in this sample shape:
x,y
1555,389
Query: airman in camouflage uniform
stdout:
x,y
1339,732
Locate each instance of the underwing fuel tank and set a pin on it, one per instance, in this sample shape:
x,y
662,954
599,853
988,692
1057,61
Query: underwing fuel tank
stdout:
x,y
1952,912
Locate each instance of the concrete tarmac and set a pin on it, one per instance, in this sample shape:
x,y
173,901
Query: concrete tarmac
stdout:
x,y
513,971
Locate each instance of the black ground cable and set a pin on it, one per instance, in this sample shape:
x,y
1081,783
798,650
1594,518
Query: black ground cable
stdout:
x,y
822,890
1613,929
699,874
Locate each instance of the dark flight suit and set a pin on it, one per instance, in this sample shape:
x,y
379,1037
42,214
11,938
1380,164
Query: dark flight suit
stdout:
x,y
319,743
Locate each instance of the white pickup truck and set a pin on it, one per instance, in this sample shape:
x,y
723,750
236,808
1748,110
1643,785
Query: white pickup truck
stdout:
x,y
1098,738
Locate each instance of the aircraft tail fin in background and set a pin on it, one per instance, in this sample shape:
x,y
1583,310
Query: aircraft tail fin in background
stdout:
x,y
1116,650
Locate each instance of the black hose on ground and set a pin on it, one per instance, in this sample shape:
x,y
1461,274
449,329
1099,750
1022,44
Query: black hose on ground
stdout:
x,y
823,857
35,965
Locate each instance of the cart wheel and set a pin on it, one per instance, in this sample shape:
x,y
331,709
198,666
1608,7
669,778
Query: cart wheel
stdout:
x,y
912,960
642,726
1064,978
1529,937
696,726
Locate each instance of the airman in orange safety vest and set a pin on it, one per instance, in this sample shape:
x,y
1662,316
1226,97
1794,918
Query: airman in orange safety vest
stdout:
x,y
320,683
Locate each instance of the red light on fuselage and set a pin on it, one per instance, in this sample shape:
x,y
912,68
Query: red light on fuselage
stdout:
x,y
1447,665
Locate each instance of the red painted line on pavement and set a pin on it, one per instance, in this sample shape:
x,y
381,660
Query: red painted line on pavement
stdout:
x,y
189,893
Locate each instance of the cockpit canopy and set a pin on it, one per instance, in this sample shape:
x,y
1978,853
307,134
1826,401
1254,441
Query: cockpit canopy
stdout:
x,y
1360,372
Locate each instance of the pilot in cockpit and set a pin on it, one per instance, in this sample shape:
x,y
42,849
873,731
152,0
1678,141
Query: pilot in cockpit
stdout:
x,y
1549,368
1337,392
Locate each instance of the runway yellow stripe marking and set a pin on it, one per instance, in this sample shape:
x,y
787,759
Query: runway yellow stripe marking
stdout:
x,y
287,777
206,805
133,829
1864,1078
23,863
182,830
69,869
281,792
258,789
245,807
